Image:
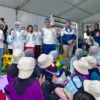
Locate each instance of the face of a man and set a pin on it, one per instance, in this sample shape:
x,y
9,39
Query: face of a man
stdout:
x,y
47,24
68,24
96,27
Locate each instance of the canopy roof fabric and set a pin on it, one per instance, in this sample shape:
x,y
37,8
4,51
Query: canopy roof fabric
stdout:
x,y
77,10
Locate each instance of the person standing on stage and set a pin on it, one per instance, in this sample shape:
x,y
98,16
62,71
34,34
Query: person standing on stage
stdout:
x,y
17,37
38,41
68,37
49,37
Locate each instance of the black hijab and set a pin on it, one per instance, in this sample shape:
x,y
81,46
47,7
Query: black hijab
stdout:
x,y
21,85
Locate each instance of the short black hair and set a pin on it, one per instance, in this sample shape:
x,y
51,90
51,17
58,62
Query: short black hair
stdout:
x,y
82,95
96,24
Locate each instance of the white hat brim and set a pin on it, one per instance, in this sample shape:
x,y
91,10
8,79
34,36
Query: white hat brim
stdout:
x,y
48,62
25,74
98,98
16,61
86,85
79,69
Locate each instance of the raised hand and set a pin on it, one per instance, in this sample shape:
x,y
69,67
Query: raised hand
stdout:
x,y
41,79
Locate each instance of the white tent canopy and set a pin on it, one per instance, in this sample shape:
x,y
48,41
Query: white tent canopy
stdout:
x,y
35,11
77,10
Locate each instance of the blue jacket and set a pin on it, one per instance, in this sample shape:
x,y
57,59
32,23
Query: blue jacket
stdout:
x,y
66,36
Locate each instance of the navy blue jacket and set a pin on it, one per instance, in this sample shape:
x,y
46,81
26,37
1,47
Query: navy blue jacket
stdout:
x,y
66,36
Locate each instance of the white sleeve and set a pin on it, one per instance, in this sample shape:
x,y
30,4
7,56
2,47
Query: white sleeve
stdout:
x,y
2,36
62,33
85,36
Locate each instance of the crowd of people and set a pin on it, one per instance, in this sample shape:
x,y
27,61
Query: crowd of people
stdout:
x,y
35,74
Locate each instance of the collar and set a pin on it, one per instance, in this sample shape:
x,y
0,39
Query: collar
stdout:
x,y
67,29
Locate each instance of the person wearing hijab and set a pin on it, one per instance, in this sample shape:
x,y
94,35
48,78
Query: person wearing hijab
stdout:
x,y
92,87
1,48
82,66
78,55
25,86
30,39
37,71
68,37
93,51
38,41
17,37
12,70
94,73
54,54
29,53
46,62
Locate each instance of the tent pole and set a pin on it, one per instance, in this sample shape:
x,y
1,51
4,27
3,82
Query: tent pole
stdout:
x,y
16,14
22,4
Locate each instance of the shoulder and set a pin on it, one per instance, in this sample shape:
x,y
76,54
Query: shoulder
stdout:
x,y
63,30
73,58
73,29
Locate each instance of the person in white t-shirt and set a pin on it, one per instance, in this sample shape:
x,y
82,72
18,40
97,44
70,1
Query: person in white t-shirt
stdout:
x,y
49,37
1,48
38,41
30,39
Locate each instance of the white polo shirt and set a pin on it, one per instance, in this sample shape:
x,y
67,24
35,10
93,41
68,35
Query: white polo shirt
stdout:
x,y
49,36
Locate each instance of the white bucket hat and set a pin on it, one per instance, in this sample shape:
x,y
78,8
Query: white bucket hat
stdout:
x,y
17,55
98,98
81,66
54,54
92,62
45,60
26,67
92,87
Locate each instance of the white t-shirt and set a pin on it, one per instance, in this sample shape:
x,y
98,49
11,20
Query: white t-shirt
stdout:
x,y
38,40
30,41
1,37
49,36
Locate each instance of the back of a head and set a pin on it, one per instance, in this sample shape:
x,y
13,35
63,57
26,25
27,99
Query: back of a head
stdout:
x,y
29,53
82,95
54,54
94,50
